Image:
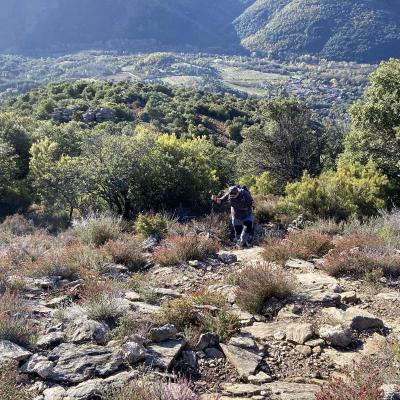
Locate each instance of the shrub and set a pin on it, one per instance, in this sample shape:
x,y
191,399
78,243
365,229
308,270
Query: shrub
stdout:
x,y
128,253
353,189
178,250
9,387
17,225
104,308
13,323
97,230
265,208
125,326
216,225
140,389
364,383
144,287
258,184
362,256
204,297
61,262
224,324
326,227
260,282
301,244
151,225
101,300
179,312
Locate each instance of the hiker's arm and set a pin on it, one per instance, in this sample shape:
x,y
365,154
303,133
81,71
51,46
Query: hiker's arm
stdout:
x,y
220,200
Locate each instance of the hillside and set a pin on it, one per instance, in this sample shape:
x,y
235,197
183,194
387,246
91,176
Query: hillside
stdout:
x,y
355,30
136,24
366,30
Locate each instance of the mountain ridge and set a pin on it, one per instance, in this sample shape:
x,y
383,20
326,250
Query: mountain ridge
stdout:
x,y
351,30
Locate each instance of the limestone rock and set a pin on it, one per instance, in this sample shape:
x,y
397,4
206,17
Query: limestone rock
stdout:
x,y
227,258
353,318
133,352
244,342
51,339
305,350
76,364
244,361
336,336
241,389
260,378
39,365
292,391
262,331
12,352
162,355
55,393
229,291
132,296
89,331
163,333
207,339
299,333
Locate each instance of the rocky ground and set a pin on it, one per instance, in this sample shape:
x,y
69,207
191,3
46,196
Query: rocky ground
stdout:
x,y
287,353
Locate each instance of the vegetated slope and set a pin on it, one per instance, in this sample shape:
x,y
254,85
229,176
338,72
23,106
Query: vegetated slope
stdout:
x,y
362,30
59,24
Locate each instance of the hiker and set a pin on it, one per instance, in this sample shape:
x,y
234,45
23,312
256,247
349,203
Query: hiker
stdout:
x,y
241,204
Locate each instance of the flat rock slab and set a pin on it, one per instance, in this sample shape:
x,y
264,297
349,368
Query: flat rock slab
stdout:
x,y
262,331
292,391
299,333
162,355
249,256
244,361
241,389
353,318
12,352
295,263
318,288
77,363
389,296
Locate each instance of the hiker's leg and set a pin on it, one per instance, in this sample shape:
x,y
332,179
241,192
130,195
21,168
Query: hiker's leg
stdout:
x,y
237,227
247,234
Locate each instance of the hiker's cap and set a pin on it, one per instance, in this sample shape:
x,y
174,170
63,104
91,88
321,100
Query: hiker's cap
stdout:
x,y
233,190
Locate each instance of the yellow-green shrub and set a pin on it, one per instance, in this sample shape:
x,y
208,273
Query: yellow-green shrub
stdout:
x,y
151,225
353,189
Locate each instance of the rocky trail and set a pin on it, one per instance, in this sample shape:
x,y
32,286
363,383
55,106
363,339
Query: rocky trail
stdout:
x,y
286,353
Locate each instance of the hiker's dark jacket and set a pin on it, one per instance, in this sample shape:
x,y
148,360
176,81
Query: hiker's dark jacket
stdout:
x,y
242,206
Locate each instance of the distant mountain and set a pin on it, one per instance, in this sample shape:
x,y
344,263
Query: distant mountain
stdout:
x,y
362,30
57,24
358,30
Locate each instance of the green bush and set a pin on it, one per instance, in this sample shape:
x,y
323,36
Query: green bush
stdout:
x,y
151,225
353,189
258,184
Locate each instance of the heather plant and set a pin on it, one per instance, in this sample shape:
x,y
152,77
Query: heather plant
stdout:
x,y
301,244
362,256
364,383
258,283
177,250
127,252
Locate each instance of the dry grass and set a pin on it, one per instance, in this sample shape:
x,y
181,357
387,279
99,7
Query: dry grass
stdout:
x,y
10,389
13,320
258,283
178,250
361,256
97,230
17,225
179,312
127,252
302,244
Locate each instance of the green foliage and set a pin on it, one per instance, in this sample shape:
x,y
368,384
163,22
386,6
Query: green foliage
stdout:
x,y
375,130
258,185
8,167
148,225
348,30
353,189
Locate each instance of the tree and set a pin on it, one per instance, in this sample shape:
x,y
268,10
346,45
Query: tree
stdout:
x,y
8,167
59,182
375,128
285,143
